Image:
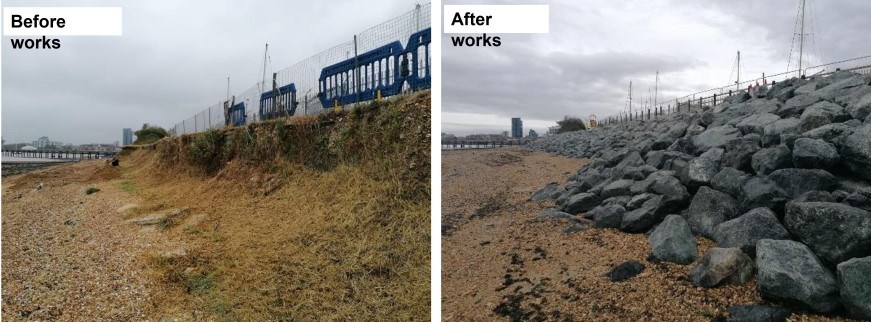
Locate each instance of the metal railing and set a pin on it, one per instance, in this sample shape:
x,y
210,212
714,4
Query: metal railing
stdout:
x,y
714,96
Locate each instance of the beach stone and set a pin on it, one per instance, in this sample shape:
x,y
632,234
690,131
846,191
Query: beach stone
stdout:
x,y
625,271
743,232
788,271
710,208
854,281
556,214
721,266
672,241
835,232
814,153
757,313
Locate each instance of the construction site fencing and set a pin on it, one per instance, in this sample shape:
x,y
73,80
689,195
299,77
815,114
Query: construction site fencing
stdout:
x,y
387,59
714,96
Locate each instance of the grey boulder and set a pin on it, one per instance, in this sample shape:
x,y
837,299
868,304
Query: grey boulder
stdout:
x,y
672,241
581,202
710,208
814,153
854,280
767,160
743,232
721,266
788,271
835,232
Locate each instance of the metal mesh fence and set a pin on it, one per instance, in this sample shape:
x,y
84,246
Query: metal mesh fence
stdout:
x,y
304,74
710,97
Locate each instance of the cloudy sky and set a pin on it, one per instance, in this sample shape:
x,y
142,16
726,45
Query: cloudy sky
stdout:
x,y
171,62
596,47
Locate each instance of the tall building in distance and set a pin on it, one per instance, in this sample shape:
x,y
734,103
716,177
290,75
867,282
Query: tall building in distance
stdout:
x,y
127,137
516,127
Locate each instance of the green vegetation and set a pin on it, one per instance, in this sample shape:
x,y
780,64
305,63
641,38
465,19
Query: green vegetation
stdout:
x,y
91,190
128,186
149,134
571,124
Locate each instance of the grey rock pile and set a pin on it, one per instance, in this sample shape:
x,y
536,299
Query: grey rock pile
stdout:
x,y
781,181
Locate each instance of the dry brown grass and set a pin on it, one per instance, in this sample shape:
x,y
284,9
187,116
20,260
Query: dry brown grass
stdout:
x,y
285,239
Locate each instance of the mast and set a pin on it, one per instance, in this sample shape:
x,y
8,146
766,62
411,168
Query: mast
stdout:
x,y
801,40
630,97
738,78
656,90
263,81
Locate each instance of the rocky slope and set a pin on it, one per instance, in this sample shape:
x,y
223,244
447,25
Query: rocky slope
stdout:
x,y
780,180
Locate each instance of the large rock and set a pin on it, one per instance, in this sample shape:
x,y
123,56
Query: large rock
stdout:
x,y
739,152
729,180
797,105
835,232
856,153
581,202
781,126
861,108
670,187
617,188
607,216
820,114
798,181
743,232
721,266
699,172
550,191
672,241
651,213
756,122
762,192
710,208
788,271
757,313
767,160
814,154
835,133
854,280
715,137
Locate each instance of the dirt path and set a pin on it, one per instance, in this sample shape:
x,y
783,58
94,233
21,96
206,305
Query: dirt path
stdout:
x,y
67,254
504,264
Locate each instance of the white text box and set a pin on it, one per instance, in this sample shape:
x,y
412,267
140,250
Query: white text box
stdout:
x,y
78,21
507,19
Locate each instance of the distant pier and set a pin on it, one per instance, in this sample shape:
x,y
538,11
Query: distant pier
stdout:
x,y
59,155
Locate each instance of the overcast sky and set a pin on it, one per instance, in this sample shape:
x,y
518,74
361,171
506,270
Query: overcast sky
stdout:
x,y
171,62
594,48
